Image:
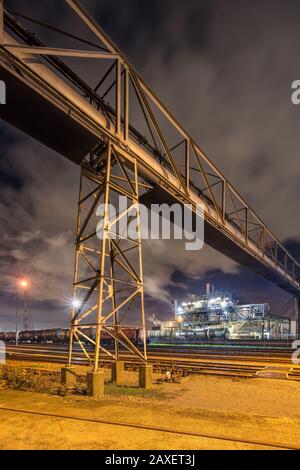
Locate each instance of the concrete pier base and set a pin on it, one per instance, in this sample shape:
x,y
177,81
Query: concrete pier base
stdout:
x,y
95,384
68,376
117,372
145,376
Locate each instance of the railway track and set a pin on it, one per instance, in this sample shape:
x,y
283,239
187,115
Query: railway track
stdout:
x,y
173,354
182,362
228,349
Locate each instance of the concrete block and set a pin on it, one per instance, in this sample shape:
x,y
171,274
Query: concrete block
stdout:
x,y
95,384
145,376
69,376
117,372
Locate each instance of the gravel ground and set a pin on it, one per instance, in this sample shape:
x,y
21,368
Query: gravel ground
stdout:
x,y
260,410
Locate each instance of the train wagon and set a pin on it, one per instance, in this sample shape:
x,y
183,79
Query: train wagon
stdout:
x,y
61,336
8,336
135,334
55,335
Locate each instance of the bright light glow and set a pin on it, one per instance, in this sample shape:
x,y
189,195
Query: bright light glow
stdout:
x,y
76,303
24,283
224,304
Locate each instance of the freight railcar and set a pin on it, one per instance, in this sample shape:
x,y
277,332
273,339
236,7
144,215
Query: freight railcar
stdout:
x,y
8,336
55,335
61,336
135,335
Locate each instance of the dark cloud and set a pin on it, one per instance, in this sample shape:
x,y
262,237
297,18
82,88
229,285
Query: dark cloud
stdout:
x,y
225,69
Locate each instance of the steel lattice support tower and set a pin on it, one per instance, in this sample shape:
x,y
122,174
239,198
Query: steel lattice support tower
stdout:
x,y
108,274
26,311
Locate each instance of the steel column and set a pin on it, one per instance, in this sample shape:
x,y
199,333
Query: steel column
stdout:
x,y
108,272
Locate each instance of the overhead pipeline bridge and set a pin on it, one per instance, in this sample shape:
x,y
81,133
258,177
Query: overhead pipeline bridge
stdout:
x,y
96,127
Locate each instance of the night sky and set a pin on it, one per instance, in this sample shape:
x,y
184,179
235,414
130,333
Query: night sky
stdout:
x,y
225,70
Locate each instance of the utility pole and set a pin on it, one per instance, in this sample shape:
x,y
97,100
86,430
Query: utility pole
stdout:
x,y
26,311
24,285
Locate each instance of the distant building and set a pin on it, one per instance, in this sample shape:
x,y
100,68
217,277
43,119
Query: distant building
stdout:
x,y
216,314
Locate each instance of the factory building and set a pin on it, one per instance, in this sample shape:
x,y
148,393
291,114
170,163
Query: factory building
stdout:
x,y
216,314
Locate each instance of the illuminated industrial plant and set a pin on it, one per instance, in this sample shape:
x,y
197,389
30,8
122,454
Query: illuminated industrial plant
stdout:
x,y
219,315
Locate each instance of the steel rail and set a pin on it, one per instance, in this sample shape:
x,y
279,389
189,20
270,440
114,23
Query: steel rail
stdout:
x,y
235,366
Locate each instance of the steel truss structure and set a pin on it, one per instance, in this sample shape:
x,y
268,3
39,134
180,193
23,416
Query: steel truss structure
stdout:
x,y
108,275
124,127
27,323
